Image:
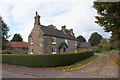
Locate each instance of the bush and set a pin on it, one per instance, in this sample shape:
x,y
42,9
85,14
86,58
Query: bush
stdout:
x,y
45,60
96,49
6,53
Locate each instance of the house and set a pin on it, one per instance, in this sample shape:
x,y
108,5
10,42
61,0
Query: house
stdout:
x,y
17,47
46,40
83,46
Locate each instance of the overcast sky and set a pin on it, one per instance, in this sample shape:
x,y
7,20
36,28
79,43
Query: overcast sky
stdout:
x,y
75,14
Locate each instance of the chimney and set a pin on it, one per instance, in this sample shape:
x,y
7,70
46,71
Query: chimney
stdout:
x,y
71,31
37,19
63,28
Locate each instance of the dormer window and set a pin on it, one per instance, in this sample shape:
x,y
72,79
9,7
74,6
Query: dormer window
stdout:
x,y
53,51
53,40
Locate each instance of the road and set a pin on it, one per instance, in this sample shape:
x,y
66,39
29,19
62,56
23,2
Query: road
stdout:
x,y
102,67
9,71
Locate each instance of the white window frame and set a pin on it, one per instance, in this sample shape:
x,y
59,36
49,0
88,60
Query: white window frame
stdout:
x,y
31,40
31,50
53,40
75,43
75,50
53,50
66,41
41,44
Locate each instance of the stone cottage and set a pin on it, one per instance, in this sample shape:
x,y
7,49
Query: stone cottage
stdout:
x,y
46,40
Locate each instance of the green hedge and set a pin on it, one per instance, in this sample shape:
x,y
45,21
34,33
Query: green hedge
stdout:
x,y
45,60
6,53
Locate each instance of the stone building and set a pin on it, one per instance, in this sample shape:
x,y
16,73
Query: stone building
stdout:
x,y
46,40
17,47
83,46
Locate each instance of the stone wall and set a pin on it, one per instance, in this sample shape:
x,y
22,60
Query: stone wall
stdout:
x,y
48,45
37,43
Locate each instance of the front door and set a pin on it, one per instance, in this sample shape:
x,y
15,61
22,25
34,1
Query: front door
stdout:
x,y
64,49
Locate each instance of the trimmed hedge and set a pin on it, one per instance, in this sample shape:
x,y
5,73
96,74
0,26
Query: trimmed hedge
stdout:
x,y
53,60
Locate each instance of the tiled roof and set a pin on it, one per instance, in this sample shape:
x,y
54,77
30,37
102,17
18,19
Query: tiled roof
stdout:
x,y
84,45
56,33
18,44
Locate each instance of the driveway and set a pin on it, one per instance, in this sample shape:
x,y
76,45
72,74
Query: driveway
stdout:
x,y
102,67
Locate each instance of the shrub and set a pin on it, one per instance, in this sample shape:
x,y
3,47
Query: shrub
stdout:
x,y
6,53
45,60
97,49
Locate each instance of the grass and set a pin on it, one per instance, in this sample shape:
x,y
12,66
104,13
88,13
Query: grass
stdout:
x,y
105,52
76,65
108,53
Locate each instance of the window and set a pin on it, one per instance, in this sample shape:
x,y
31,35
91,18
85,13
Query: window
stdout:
x,y
75,43
75,50
16,48
53,40
31,51
25,48
41,44
66,41
31,40
53,51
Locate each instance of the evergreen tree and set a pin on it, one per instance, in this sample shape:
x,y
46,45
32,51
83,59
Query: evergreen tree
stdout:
x,y
4,34
17,38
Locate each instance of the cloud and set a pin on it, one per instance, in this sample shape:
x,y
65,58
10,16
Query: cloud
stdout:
x,y
76,14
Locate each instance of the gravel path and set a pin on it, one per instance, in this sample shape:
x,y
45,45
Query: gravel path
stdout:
x,y
102,67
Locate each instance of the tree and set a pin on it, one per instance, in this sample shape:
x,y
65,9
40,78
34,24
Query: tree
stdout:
x,y
5,36
104,43
80,38
109,18
52,26
17,37
95,39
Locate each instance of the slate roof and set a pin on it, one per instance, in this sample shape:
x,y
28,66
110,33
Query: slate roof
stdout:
x,y
18,44
56,33
84,45
63,44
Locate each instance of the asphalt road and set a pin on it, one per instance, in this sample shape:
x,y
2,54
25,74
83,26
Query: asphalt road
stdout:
x,y
102,67
10,71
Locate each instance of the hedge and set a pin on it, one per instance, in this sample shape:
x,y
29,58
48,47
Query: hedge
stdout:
x,y
53,60
6,53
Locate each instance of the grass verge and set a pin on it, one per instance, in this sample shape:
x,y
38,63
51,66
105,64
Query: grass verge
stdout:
x,y
117,61
76,65
105,52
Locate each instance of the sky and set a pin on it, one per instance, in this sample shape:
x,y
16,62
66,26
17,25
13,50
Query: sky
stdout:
x,y
76,14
